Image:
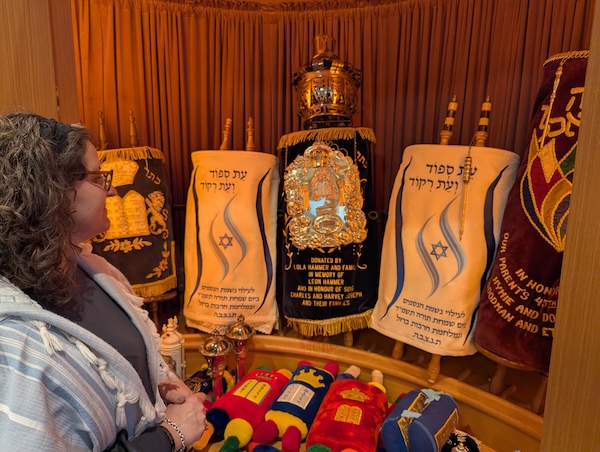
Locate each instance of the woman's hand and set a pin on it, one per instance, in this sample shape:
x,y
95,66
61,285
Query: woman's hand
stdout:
x,y
189,416
173,389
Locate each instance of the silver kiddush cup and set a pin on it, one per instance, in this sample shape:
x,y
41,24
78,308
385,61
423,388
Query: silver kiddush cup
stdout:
x,y
239,333
214,349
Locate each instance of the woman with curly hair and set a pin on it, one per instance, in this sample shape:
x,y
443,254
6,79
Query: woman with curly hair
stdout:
x,y
80,367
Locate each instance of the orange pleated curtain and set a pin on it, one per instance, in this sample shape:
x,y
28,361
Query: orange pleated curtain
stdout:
x,y
184,66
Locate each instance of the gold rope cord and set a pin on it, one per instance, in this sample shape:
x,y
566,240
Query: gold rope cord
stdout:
x,y
568,55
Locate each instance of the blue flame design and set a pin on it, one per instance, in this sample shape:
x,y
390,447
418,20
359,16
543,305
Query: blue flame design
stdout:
x,y
235,232
427,261
215,247
263,235
399,247
194,192
452,241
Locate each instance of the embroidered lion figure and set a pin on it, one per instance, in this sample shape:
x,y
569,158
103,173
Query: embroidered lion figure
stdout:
x,y
157,214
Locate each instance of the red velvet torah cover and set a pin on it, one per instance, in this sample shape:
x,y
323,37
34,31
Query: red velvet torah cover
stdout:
x,y
518,304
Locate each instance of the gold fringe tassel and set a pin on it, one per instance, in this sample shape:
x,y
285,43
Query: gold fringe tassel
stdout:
x,y
327,134
331,327
139,153
155,288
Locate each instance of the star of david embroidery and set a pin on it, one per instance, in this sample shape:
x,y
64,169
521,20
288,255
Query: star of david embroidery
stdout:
x,y
225,241
438,250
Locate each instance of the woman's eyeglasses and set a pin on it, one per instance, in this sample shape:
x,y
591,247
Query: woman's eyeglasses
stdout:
x,y
103,178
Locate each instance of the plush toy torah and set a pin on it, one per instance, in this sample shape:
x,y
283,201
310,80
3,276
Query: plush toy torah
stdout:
x,y
350,415
422,421
235,415
291,415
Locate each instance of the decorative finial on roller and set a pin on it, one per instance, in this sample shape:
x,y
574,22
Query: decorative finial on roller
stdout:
x,y
479,140
250,131
446,132
484,123
102,141
133,135
225,144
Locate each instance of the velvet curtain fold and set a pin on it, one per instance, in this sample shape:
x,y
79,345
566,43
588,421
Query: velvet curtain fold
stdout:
x,y
184,66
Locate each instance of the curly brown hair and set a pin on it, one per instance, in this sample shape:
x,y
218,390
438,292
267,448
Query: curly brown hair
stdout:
x,y
38,157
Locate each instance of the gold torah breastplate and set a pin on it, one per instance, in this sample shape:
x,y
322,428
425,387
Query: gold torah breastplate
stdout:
x,y
324,199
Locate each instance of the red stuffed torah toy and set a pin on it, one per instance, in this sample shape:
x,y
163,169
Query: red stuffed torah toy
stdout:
x,y
350,415
235,415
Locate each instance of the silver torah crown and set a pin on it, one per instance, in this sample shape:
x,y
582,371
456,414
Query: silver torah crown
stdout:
x,y
327,88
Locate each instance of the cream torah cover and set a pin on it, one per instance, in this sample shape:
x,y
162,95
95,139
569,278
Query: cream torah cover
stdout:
x,y
431,272
230,240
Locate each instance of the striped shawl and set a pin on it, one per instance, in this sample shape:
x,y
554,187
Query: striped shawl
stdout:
x,y
61,387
